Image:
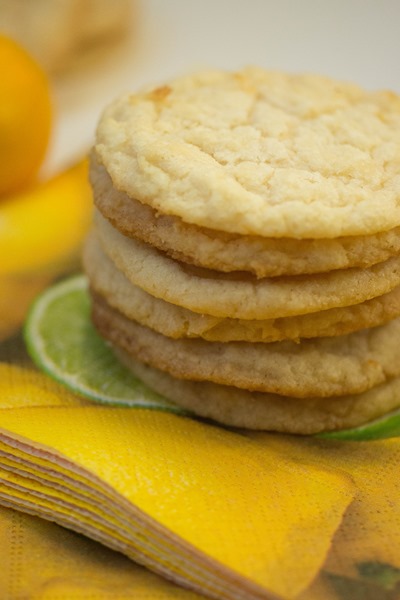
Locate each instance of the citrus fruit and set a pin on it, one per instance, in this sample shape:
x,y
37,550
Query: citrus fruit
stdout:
x,y
42,228
41,233
62,342
385,427
25,116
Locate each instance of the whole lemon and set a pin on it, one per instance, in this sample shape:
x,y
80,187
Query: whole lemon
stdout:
x,y
25,116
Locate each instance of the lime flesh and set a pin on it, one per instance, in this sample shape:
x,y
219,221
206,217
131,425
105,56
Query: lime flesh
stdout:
x,y
62,341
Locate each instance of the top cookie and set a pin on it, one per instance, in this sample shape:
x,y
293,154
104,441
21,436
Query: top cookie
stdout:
x,y
259,153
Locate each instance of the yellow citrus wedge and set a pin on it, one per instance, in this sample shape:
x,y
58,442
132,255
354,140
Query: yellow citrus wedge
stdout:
x,y
42,228
25,116
41,232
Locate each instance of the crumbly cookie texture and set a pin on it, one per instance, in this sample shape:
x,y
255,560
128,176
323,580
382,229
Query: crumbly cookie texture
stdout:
x,y
350,364
260,153
177,322
255,410
237,295
265,257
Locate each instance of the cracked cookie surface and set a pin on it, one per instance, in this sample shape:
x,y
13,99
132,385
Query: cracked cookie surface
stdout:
x,y
259,153
265,257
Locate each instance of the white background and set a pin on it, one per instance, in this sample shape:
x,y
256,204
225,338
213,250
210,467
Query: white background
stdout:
x,y
356,40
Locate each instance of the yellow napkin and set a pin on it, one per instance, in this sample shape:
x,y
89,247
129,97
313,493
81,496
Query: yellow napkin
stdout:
x,y
209,508
42,561
364,559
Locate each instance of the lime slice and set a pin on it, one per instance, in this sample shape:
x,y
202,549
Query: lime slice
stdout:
x,y
62,341
385,427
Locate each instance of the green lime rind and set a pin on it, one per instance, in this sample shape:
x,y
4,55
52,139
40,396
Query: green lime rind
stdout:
x,y
385,427
63,343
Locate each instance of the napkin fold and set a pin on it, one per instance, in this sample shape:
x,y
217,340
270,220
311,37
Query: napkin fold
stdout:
x,y
42,561
217,511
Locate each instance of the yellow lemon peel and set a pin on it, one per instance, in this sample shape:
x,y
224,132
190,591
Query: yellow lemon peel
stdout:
x,y
43,227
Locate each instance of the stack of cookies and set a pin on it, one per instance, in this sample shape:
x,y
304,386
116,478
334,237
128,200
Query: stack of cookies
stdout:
x,y
245,256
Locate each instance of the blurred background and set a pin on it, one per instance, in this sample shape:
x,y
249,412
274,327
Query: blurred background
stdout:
x,y
96,49
81,54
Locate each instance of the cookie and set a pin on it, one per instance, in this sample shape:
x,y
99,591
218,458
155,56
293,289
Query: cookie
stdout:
x,y
259,153
245,256
238,295
254,410
177,322
265,257
348,364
